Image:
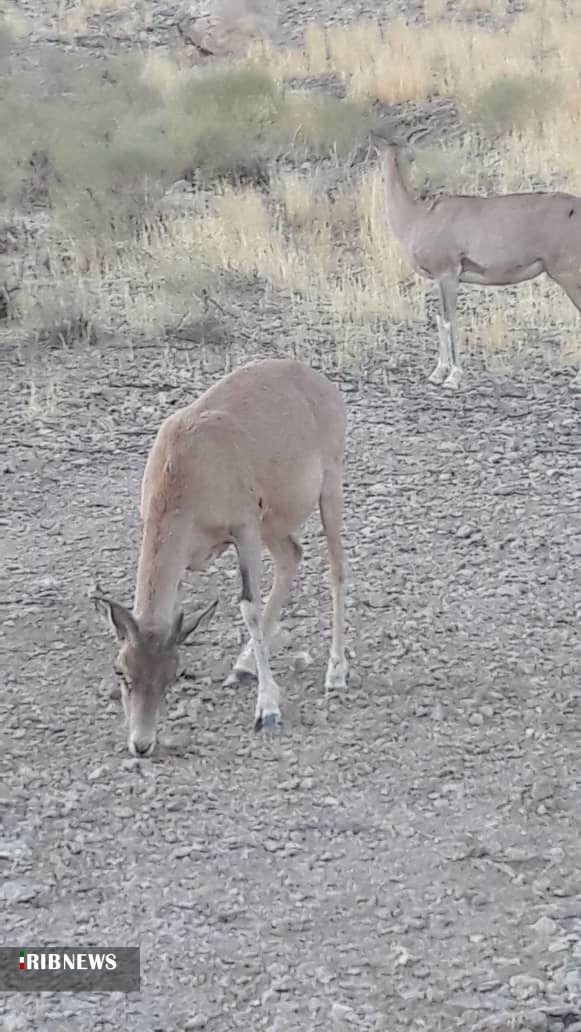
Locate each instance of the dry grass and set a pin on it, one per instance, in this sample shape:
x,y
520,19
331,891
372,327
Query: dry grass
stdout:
x,y
501,77
520,92
13,24
132,256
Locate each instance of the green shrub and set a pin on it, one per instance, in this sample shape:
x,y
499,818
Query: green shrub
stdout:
x,y
513,102
99,143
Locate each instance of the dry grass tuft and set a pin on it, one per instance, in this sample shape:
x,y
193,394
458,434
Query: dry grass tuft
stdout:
x,y
61,319
147,182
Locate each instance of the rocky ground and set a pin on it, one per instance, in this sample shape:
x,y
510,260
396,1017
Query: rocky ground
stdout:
x,y
403,856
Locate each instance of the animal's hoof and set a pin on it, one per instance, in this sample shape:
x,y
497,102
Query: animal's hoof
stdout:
x,y
336,676
438,376
267,722
335,682
239,678
454,380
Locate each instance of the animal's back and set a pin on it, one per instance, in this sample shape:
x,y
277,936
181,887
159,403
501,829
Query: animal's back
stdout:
x,y
539,224
274,426
282,405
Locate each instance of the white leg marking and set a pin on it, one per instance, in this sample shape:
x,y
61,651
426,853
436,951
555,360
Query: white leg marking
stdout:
x,y
286,554
268,699
337,666
441,371
454,380
331,505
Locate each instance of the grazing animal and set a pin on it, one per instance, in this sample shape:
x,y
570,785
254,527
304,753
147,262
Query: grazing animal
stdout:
x,y
244,465
489,241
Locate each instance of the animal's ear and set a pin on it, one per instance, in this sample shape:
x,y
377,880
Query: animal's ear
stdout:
x,y
182,628
118,618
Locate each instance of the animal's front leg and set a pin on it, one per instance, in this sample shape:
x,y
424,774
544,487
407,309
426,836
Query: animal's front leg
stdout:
x,y
443,367
286,554
447,372
267,715
448,302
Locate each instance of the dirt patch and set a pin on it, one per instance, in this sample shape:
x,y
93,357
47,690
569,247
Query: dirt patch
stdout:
x,y
403,856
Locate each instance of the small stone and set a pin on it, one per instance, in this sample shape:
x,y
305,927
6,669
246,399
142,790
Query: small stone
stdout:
x,y
341,1013
404,958
479,899
301,661
476,719
542,789
18,891
177,742
96,773
544,928
536,1020
179,712
198,1021
573,983
434,995
525,986
464,531
133,765
125,813
281,639
182,851
13,1022
502,1021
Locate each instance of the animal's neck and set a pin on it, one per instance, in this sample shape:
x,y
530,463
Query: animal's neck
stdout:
x,y
162,563
401,206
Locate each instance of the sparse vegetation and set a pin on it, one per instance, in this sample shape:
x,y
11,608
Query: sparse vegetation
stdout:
x,y
512,103
138,180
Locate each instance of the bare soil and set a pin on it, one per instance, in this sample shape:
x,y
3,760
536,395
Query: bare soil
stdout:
x,y
405,855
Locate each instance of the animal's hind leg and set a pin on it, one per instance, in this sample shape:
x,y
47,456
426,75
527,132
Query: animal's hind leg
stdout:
x,y
448,287
572,288
249,545
286,554
331,508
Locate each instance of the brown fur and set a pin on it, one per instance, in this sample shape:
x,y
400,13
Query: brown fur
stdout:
x,y
244,465
489,241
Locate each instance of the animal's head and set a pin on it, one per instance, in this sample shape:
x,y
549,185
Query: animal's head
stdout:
x,y
390,142
146,664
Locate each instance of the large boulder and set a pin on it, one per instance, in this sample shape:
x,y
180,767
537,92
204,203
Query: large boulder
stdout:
x,y
226,27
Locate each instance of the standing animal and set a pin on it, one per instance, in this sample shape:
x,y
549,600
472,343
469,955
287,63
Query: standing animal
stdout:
x,y
244,465
489,241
